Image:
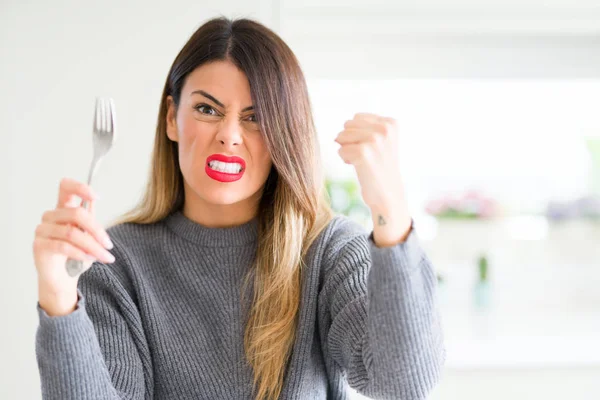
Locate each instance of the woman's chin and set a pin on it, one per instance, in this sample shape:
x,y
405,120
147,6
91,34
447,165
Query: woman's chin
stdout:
x,y
222,196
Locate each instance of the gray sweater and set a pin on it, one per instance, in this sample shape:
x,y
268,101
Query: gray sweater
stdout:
x,y
165,320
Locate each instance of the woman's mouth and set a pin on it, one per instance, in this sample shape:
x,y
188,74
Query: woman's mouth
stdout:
x,y
225,168
228,168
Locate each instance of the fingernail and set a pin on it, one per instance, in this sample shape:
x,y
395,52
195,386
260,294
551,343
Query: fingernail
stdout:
x,y
109,257
108,243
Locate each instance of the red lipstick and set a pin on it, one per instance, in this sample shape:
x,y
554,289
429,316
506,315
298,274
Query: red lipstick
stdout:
x,y
224,176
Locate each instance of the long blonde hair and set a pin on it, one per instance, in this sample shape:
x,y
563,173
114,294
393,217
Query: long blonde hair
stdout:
x,y
294,208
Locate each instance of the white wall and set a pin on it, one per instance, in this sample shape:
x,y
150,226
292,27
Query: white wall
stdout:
x,y
55,57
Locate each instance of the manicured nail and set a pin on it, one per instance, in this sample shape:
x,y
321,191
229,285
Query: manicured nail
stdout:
x,y
108,243
109,257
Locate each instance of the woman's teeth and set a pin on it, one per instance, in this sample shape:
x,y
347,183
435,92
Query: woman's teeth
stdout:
x,y
228,168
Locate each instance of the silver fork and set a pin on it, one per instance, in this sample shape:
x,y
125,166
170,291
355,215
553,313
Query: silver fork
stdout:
x,y
103,138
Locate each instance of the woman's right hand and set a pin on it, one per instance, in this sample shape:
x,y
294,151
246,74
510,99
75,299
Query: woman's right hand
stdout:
x,y
68,231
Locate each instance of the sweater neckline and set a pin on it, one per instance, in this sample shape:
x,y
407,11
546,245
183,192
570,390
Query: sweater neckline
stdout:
x,y
195,232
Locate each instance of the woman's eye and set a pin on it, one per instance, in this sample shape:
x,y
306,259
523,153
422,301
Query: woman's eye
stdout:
x,y
206,109
252,118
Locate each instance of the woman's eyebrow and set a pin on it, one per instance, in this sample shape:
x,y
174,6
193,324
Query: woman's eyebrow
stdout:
x,y
217,102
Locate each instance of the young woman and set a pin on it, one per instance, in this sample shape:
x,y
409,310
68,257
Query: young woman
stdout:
x,y
232,279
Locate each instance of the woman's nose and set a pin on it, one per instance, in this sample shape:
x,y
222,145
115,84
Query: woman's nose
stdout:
x,y
230,133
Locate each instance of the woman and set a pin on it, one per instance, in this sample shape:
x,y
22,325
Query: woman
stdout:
x,y
232,279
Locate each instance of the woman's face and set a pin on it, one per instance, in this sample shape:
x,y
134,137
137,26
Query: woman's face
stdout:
x,y
213,121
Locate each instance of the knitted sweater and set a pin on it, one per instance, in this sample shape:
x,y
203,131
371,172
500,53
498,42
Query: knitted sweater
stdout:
x,y
166,321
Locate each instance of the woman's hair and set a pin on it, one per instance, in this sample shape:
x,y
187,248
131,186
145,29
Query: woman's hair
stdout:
x,y
294,207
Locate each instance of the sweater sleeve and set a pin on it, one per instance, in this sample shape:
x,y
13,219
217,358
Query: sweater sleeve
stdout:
x,y
381,325
98,351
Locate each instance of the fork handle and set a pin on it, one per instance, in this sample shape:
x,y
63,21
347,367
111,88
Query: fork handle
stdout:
x,y
74,267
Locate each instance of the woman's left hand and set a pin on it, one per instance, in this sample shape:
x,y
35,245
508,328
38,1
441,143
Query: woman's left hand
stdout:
x,y
369,142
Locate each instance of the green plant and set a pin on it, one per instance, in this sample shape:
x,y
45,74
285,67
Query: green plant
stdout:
x,y
482,265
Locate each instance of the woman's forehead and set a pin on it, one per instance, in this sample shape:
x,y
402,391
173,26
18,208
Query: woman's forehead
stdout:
x,y
219,76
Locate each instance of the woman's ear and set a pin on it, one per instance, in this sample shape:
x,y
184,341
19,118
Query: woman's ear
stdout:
x,y
172,119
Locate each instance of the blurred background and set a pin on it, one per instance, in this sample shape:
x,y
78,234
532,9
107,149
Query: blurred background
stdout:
x,y
500,148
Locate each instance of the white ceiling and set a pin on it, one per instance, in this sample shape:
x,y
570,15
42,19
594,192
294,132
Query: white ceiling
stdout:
x,y
446,39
